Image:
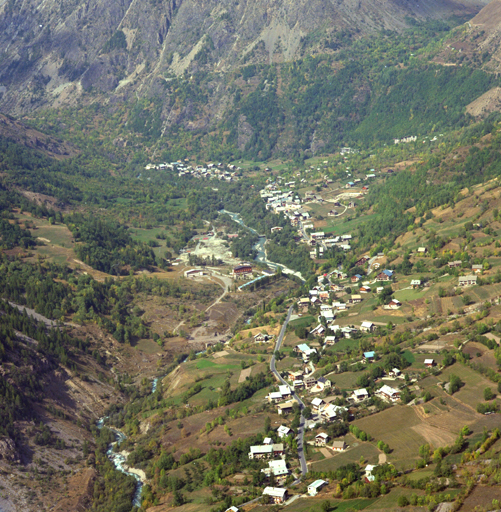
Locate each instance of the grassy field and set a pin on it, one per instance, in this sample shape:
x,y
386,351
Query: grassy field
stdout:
x,y
418,363
395,427
344,345
287,363
472,392
409,356
340,226
57,239
366,450
390,501
304,320
314,504
148,347
404,295
202,364
147,235
215,371
346,380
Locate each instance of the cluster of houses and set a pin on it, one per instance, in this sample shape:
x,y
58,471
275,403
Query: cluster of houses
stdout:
x,y
269,450
280,201
320,243
211,171
327,411
303,379
284,393
405,140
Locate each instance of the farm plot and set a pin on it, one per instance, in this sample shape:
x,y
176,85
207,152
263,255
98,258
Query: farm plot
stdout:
x,y
481,498
345,345
346,380
356,450
472,392
390,501
303,504
395,427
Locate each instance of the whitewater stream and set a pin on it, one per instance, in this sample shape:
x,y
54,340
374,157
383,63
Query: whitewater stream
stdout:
x,y
119,460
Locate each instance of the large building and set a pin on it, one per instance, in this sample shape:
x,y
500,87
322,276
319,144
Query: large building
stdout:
x,y
242,270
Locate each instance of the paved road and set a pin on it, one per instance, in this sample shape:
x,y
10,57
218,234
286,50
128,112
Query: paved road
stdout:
x,y
300,432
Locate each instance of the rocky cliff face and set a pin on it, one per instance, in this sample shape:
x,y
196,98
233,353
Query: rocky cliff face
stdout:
x,y
55,52
478,43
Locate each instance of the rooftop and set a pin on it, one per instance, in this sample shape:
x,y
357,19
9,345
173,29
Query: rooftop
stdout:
x,y
317,483
275,492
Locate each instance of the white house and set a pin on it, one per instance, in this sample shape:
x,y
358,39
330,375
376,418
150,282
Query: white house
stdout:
x,y
330,340
283,431
285,391
368,472
275,397
360,394
316,404
277,494
367,327
395,372
321,439
389,393
261,452
331,411
277,467
315,487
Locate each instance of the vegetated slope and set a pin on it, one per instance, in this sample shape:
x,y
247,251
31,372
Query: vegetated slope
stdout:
x,y
406,199
21,134
477,42
370,90
51,393
53,52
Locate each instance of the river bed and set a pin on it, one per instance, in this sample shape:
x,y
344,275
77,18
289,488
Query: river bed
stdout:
x,y
119,460
260,247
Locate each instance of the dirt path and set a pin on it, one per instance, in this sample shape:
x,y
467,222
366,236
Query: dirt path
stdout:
x,y
225,282
326,453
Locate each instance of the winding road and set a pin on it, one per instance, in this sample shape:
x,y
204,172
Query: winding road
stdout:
x,y
300,432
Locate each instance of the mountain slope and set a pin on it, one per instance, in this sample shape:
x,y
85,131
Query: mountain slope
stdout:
x,y
54,52
19,133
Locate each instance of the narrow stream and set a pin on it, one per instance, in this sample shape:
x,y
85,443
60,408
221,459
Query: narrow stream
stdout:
x,y
120,460
261,252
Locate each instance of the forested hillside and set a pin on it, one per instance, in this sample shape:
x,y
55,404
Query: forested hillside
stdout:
x,y
249,246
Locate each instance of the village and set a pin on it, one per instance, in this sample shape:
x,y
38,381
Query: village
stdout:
x,y
211,171
332,360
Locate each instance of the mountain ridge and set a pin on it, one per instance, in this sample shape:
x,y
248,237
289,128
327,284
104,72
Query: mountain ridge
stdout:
x,y
58,54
